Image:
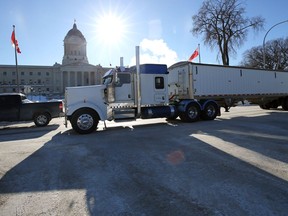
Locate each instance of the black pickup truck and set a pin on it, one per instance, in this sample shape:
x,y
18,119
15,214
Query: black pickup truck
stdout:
x,y
16,107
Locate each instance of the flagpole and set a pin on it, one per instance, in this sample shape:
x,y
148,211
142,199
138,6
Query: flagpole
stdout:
x,y
16,62
199,53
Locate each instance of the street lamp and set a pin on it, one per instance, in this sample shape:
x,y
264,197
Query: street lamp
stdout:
x,y
264,56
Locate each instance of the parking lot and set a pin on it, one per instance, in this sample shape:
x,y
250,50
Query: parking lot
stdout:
x,y
234,165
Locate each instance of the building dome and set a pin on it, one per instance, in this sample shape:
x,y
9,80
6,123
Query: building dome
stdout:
x,y
74,47
74,32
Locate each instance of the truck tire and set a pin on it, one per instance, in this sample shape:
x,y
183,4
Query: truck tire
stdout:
x,y
210,111
41,119
285,104
191,114
84,121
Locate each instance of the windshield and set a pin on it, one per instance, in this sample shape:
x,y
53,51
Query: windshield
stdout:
x,y
107,79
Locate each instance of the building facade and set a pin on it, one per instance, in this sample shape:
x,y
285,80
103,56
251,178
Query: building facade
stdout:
x,y
51,81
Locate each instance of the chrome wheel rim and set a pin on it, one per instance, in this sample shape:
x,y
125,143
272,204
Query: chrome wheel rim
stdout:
x,y
210,111
85,121
192,112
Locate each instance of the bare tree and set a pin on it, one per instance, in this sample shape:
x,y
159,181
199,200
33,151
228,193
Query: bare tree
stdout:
x,y
223,24
276,55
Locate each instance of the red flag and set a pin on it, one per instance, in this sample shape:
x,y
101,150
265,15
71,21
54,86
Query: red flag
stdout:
x,y
15,42
194,54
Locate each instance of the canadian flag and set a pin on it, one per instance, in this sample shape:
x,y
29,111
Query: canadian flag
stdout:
x,y
15,42
194,54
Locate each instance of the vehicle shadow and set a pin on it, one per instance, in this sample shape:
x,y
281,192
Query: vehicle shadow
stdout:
x,y
159,169
25,132
267,136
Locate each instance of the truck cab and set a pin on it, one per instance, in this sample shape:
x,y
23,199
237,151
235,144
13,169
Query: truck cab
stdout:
x,y
121,85
124,97
120,97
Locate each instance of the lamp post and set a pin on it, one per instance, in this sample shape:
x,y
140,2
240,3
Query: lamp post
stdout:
x,y
264,56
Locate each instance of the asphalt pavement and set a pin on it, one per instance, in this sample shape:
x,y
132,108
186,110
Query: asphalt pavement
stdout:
x,y
234,165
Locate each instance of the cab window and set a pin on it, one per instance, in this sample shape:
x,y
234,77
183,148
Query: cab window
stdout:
x,y
159,82
123,78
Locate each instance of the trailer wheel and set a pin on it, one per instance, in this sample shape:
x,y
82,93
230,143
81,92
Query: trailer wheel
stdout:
x,y
191,114
210,111
285,104
41,119
264,106
84,121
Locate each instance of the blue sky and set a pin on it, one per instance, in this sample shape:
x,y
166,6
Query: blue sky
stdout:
x,y
113,28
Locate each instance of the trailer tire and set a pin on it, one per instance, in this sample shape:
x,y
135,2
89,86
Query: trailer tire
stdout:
x,y
210,111
285,104
275,104
191,114
264,106
84,121
41,119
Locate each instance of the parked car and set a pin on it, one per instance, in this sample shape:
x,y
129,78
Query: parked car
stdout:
x,y
16,107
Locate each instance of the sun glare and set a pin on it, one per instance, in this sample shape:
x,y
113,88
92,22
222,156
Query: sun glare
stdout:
x,y
111,29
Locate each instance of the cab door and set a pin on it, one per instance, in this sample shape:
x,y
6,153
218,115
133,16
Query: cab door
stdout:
x,y
124,91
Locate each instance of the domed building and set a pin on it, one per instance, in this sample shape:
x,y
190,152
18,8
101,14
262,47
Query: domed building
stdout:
x,y
74,47
75,70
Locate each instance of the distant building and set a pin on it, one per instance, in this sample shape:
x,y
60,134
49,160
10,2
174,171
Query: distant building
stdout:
x,y
52,80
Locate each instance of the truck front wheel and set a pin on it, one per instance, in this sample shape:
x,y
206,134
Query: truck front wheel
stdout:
x,y
41,119
84,121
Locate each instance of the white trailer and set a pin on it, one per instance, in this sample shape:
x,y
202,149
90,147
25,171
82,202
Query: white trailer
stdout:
x,y
228,85
188,90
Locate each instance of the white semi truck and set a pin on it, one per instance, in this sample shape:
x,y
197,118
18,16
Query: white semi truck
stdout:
x,y
190,91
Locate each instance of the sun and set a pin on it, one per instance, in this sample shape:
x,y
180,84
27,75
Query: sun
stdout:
x,y
112,32
111,29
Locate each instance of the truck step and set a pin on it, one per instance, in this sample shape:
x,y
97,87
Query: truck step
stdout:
x,y
124,114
